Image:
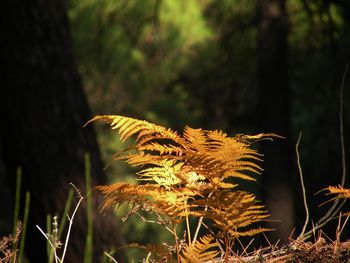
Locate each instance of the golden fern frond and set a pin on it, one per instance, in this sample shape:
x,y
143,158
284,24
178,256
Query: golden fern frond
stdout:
x,y
161,148
201,251
222,156
230,211
150,197
130,126
210,153
173,203
140,159
196,138
164,174
250,232
340,191
119,193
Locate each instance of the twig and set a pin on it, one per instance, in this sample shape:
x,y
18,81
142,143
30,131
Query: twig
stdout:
x,y
51,244
341,128
155,222
302,187
345,222
70,219
200,221
108,255
335,208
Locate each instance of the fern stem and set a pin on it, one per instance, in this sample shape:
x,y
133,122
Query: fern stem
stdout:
x,y
200,221
302,187
226,249
188,229
197,229
176,243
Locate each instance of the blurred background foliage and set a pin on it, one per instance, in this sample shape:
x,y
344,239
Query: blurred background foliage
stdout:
x,y
194,62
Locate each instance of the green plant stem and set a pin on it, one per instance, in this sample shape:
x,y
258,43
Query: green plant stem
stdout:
x,y
62,222
17,199
49,250
65,213
89,212
17,205
24,229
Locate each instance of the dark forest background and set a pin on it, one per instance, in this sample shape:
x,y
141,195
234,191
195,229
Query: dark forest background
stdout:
x,y
240,66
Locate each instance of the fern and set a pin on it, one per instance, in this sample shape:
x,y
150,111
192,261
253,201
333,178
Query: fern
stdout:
x,y
232,211
340,191
190,175
149,197
201,251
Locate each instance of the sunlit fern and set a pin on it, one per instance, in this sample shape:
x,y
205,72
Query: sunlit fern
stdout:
x,y
190,175
203,250
340,193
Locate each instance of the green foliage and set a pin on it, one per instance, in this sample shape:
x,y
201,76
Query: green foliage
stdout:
x,y
24,229
88,252
194,61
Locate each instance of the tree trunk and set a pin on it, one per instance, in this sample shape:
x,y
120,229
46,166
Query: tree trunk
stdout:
x,y
44,109
274,114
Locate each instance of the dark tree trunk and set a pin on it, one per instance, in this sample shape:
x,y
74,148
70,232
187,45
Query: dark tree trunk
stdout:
x,y
274,114
44,108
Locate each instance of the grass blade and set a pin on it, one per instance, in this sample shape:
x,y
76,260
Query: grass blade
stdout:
x,y
24,229
89,213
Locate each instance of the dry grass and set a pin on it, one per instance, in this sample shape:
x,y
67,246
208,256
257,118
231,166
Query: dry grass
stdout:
x,y
320,250
8,246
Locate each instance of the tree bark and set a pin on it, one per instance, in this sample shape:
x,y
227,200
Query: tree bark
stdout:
x,y
274,114
44,108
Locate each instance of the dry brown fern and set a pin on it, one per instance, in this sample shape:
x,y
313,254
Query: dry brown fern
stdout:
x,y
189,175
8,246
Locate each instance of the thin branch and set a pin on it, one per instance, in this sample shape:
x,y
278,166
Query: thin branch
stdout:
x,y
108,255
71,220
341,130
51,244
302,187
333,211
155,222
200,221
